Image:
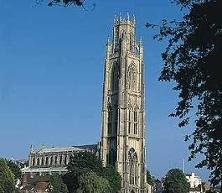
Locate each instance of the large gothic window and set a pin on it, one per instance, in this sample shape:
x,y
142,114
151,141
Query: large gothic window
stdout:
x,y
132,77
115,77
133,167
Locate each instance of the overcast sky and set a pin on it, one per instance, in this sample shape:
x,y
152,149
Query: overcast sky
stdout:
x,y
51,73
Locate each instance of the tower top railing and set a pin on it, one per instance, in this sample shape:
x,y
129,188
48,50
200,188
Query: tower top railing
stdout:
x,y
118,20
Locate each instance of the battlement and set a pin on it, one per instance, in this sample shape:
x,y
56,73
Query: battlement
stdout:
x,y
119,20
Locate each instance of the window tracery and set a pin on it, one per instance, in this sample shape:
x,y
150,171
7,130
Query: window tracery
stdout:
x,y
133,167
132,77
115,77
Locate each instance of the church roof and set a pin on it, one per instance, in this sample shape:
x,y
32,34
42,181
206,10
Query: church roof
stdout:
x,y
57,149
64,149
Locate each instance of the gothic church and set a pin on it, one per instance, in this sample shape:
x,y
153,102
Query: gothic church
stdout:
x,y
123,116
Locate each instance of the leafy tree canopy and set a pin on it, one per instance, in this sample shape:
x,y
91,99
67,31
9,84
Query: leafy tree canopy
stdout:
x,y
7,182
14,168
57,184
192,59
150,179
113,177
83,164
66,2
176,182
91,182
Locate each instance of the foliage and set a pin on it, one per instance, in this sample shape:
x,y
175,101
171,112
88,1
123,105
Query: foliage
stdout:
x,y
113,177
66,2
86,163
149,178
176,182
192,59
82,162
211,191
7,181
14,168
91,182
58,184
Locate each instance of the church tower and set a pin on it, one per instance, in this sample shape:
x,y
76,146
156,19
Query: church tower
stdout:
x,y
123,115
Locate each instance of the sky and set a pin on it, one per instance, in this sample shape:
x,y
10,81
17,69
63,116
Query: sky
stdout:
x,y
51,75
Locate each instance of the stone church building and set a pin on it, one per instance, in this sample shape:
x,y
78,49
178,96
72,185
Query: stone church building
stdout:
x,y
123,115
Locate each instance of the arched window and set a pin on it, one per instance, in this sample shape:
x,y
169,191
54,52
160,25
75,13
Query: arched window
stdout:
x,y
132,77
132,42
51,161
115,77
46,161
115,120
33,161
38,161
129,122
133,167
109,120
135,123
56,157
65,160
42,161
60,160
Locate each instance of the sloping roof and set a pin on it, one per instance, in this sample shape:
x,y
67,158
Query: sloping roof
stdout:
x,y
56,150
92,147
41,186
87,147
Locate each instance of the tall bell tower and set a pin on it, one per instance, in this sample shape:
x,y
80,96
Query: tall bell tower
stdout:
x,y
123,115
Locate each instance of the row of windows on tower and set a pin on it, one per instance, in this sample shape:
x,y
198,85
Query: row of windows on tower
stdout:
x,y
132,78
132,122
118,37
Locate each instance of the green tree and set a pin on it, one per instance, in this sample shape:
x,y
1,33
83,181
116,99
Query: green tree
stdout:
x,y
57,184
14,168
92,183
83,163
149,178
176,182
113,177
192,60
63,2
7,181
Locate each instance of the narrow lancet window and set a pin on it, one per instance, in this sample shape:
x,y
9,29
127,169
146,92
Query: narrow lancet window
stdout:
x,y
135,124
